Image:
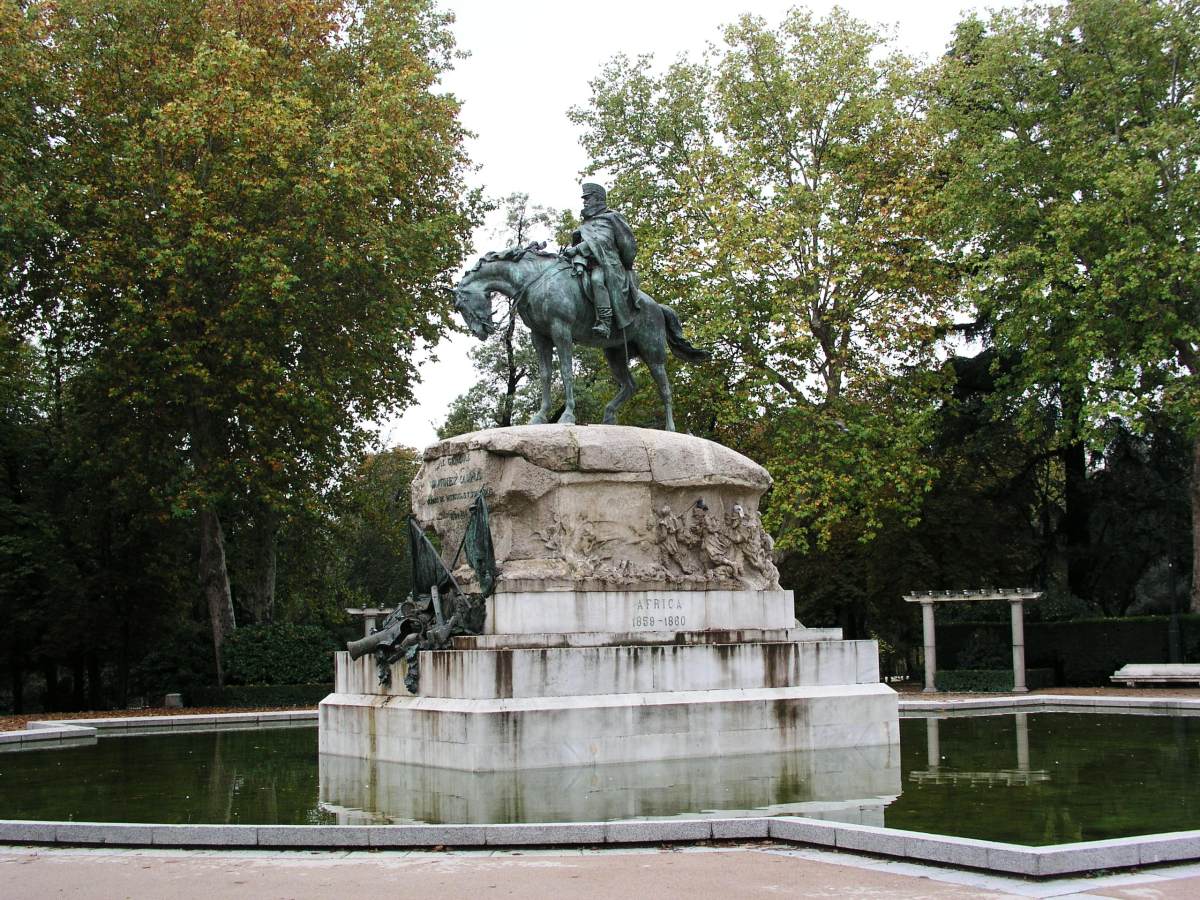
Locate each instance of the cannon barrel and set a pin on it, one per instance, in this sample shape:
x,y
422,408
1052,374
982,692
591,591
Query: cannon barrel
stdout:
x,y
363,646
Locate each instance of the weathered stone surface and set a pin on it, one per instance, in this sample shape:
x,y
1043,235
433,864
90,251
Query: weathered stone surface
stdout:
x,y
617,507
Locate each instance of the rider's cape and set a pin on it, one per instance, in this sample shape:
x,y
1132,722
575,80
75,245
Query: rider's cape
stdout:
x,y
611,243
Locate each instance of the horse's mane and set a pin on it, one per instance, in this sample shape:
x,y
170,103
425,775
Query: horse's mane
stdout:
x,y
513,254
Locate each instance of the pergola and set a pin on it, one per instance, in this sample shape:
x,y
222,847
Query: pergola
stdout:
x,y
1016,598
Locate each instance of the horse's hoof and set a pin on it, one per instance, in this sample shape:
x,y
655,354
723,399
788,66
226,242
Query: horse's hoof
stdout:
x,y
566,419
538,419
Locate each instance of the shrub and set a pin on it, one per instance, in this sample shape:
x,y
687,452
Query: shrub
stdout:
x,y
988,681
985,648
279,654
244,695
1083,652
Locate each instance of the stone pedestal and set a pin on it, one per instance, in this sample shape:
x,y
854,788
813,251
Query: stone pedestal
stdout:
x,y
638,618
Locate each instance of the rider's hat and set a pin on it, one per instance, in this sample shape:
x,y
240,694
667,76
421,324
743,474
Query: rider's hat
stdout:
x,y
590,187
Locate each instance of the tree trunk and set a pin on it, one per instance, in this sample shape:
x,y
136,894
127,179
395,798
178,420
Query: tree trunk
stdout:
x,y
17,671
78,685
259,591
50,676
512,381
214,581
1076,525
95,681
1195,490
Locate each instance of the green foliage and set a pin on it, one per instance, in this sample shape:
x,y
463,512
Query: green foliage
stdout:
x,y
279,654
257,695
986,681
178,661
1073,187
372,529
985,649
782,197
230,226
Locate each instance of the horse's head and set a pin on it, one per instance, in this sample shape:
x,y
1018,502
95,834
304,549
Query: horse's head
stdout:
x,y
475,306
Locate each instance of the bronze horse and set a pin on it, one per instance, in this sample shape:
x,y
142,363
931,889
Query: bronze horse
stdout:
x,y
550,301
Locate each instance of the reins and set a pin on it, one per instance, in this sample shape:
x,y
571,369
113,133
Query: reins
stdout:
x,y
554,268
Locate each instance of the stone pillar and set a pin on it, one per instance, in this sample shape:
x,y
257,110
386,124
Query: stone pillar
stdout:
x,y
1017,608
930,646
933,750
1022,741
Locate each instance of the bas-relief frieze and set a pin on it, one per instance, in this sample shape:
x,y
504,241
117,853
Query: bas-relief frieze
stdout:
x,y
622,526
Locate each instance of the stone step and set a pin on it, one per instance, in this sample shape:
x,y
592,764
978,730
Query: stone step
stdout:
x,y
585,671
530,733
629,638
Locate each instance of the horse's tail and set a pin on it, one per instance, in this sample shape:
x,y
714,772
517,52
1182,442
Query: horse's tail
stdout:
x,y
677,342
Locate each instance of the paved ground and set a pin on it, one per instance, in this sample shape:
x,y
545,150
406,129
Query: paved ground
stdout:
x,y
751,870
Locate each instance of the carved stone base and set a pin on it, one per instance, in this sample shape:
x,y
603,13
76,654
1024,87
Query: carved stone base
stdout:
x,y
602,507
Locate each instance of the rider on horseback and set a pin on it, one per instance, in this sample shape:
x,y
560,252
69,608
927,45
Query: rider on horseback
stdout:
x,y
602,251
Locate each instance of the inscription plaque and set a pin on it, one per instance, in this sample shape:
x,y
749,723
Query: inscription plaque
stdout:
x,y
659,614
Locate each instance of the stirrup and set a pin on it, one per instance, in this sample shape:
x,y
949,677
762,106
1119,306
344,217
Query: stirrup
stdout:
x,y
602,329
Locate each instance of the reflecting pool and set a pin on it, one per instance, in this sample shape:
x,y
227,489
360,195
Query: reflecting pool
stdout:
x,y
1049,778
1031,778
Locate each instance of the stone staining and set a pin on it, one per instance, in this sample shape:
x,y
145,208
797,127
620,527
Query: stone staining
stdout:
x,y
609,506
637,617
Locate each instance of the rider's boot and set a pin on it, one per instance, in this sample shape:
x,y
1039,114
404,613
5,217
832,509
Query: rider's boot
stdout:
x,y
603,326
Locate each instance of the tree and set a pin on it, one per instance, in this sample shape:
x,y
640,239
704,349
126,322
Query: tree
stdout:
x,y
1072,167
783,196
260,206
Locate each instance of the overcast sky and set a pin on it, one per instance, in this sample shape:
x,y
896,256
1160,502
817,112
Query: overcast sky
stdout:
x,y
548,53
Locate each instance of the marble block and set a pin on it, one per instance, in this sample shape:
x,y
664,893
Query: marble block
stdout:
x,y
496,735
569,612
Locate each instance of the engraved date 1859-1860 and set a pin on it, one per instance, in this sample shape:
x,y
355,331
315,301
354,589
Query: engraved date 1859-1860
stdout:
x,y
659,612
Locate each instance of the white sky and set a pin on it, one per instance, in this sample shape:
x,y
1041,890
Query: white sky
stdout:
x,y
550,52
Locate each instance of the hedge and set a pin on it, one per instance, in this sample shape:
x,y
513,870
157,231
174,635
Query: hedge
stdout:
x,y
279,654
986,681
1083,652
244,695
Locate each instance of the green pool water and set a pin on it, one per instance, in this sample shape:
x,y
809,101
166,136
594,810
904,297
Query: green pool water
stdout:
x,y
1035,778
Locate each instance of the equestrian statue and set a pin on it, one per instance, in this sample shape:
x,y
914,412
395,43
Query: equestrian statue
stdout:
x,y
588,294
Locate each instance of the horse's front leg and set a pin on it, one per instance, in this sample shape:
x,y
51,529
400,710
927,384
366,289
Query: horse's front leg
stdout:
x,y
564,346
545,355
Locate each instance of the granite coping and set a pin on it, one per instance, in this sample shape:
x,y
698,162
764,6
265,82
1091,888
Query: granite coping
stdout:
x,y
1048,703
48,733
994,856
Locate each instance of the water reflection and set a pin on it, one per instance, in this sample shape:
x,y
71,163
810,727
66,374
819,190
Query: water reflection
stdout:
x,y
1050,778
852,785
1047,778
935,773
252,776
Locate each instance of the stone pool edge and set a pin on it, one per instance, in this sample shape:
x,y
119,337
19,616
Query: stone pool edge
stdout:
x,y
49,733
991,856
1011,859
